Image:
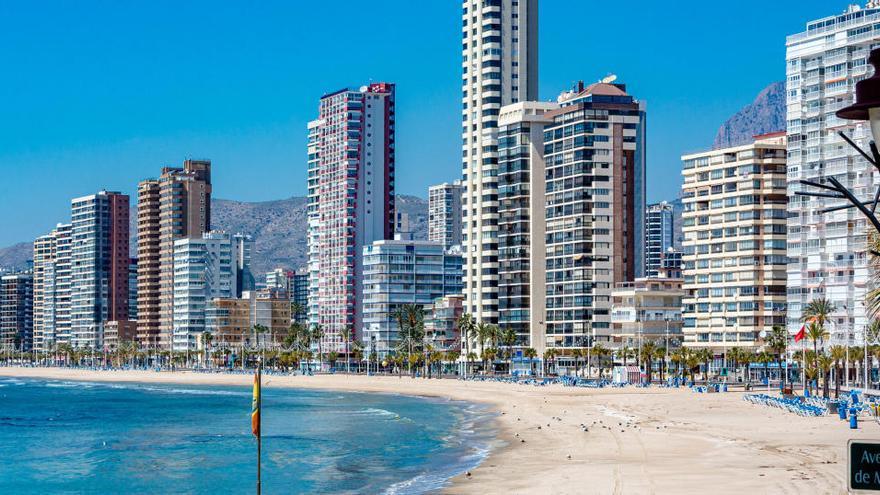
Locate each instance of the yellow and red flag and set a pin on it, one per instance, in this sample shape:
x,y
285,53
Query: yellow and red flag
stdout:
x,y
255,407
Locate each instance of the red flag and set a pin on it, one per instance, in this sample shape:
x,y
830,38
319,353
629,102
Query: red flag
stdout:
x,y
800,335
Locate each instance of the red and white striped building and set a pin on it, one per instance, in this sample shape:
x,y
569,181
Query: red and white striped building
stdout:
x,y
351,202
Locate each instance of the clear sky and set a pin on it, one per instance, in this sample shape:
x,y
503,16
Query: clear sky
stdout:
x,y
102,94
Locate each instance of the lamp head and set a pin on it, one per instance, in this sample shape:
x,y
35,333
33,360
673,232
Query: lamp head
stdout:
x,y
867,105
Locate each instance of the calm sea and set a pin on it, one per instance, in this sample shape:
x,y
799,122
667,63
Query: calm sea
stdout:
x,y
84,437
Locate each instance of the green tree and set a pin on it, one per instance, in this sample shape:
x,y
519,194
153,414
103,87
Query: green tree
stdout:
x,y
466,328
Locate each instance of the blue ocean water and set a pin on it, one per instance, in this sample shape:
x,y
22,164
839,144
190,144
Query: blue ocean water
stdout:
x,y
85,437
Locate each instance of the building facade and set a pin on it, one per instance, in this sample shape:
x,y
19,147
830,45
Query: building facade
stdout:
x,y
245,280
499,67
351,157
594,151
100,259
399,272
827,251
52,272
521,225
176,205
645,310
204,269
659,235
734,257
441,322
17,311
444,213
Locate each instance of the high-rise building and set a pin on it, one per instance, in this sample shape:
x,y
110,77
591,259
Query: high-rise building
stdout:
x,y
300,295
594,155
499,67
521,224
132,290
52,275
403,271
827,251
204,269
176,205
100,259
444,213
351,156
17,311
401,222
734,257
245,278
571,212
659,235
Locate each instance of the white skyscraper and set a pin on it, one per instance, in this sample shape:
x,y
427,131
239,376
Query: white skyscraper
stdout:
x,y
499,67
444,213
204,269
827,251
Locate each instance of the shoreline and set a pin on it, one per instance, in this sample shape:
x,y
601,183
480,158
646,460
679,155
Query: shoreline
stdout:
x,y
558,439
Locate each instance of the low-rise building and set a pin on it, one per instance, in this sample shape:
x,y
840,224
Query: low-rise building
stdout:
x,y
441,322
647,309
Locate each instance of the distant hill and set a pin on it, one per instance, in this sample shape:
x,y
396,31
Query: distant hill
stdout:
x,y
278,227
765,114
16,257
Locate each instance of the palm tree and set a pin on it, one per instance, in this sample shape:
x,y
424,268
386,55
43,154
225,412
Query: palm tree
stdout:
x,y
777,342
346,339
411,321
466,326
649,348
550,356
765,358
484,335
625,353
816,332
825,363
207,338
508,339
838,354
600,352
818,310
810,374
317,335
577,354
531,354
296,309
706,355
736,356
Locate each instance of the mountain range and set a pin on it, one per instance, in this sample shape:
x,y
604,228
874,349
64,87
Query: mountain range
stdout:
x,y
278,228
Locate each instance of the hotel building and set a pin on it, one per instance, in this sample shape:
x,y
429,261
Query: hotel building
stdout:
x,y
99,253
734,253
52,272
499,67
351,159
17,311
176,205
204,269
444,213
827,251
571,212
404,271
647,309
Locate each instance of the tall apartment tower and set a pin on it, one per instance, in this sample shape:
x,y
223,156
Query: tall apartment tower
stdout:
x,y
827,252
17,311
52,275
521,225
176,205
351,201
444,213
571,213
659,235
734,258
100,259
245,280
499,67
204,269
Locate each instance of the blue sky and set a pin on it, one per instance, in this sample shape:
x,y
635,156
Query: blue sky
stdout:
x,y
102,94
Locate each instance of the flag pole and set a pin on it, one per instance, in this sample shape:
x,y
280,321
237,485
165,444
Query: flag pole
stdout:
x,y
260,426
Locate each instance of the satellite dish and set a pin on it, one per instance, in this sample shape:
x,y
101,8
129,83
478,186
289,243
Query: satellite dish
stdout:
x,y
763,334
609,78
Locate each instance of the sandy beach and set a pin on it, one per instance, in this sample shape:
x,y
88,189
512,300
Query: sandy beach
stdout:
x,y
637,440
